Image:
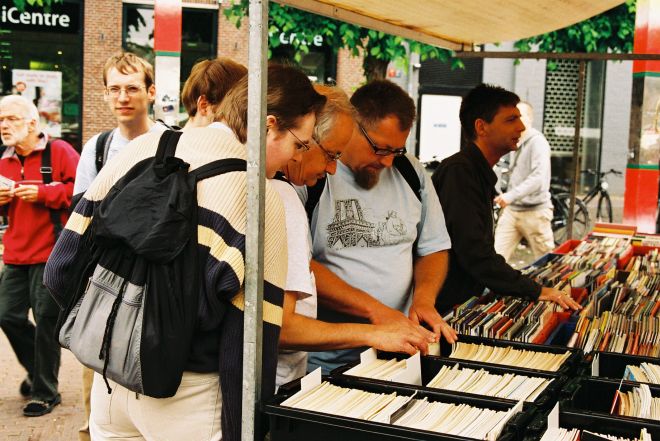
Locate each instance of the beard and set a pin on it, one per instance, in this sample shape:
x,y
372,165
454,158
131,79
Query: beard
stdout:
x,y
367,179
15,138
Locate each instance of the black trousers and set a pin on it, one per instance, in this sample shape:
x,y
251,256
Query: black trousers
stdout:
x,y
37,349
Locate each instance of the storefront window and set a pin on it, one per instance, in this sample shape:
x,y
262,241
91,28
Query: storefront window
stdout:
x,y
41,59
319,64
559,119
198,34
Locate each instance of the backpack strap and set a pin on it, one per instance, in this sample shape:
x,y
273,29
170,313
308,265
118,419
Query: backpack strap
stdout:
x,y
402,164
405,167
281,177
102,147
167,145
219,167
46,171
171,127
313,196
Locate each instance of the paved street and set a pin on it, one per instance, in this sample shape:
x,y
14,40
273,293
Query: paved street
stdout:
x,y
60,425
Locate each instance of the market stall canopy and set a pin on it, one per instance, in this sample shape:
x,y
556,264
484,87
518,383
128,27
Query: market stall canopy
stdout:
x,y
458,25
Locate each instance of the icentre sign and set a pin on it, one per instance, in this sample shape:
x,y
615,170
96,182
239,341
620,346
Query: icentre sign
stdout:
x,y
14,16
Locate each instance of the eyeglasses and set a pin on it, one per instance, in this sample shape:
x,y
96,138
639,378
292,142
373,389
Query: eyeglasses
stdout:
x,y
330,156
302,145
379,151
11,119
131,90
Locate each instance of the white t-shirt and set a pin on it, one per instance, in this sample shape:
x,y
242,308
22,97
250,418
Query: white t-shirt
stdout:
x,y
366,237
293,364
86,171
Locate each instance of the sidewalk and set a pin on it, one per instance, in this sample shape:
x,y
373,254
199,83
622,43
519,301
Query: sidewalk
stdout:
x,y
60,425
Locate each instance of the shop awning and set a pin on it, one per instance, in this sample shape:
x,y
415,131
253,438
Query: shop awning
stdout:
x,y
459,25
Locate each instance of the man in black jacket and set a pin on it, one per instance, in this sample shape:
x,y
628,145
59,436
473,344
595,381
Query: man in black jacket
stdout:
x,y
465,183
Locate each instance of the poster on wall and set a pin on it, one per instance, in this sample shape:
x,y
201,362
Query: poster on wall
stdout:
x,y
44,89
166,106
440,127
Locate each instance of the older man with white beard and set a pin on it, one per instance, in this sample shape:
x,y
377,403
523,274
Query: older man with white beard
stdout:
x,y
35,193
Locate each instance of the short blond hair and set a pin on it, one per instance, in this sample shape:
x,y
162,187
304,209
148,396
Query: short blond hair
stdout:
x,y
337,102
128,63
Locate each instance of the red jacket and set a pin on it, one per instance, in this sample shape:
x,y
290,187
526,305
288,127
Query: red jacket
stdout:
x,y
30,237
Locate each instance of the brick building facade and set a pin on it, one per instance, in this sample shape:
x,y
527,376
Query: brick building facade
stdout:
x,y
63,68
103,36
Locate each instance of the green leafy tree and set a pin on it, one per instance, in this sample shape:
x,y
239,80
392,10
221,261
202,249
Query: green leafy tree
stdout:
x,y
612,30
377,47
20,4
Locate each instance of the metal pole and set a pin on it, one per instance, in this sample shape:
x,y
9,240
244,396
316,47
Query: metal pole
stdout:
x,y
576,147
254,250
413,91
557,56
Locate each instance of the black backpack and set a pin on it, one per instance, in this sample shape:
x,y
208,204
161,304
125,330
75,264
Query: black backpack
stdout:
x,y
105,139
135,319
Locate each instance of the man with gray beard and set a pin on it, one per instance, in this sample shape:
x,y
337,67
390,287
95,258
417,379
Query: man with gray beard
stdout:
x,y
35,194
379,239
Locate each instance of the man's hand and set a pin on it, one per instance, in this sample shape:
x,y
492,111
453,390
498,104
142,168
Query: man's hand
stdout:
x,y
399,337
28,193
421,312
499,200
388,316
560,298
5,196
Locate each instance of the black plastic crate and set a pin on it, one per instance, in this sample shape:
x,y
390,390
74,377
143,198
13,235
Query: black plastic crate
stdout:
x,y
603,424
431,365
569,367
613,365
594,396
290,424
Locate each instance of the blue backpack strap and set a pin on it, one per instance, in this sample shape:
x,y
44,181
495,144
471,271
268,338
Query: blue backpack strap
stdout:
x,y
46,171
403,164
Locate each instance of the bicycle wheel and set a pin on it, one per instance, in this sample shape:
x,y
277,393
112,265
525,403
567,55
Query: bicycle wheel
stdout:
x,y
561,203
604,210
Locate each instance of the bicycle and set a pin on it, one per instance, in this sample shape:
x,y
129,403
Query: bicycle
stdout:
x,y
560,206
560,199
604,206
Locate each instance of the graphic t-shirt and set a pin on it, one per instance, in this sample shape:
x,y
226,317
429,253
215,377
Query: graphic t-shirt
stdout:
x,y
367,237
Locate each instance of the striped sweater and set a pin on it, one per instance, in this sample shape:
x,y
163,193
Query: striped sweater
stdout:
x,y
221,238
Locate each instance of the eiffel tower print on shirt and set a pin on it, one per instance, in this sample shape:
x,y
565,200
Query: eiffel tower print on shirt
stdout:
x,y
349,228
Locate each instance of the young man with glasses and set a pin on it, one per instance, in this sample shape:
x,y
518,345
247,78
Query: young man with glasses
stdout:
x,y
129,90
379,247
36,203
